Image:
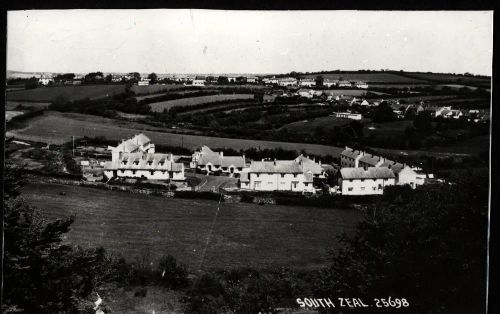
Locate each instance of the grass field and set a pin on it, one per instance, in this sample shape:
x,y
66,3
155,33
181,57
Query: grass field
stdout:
x,y
57,128
243,234
157,88
192,101
9,114
387,128
11,105
68,93
368,77
308,126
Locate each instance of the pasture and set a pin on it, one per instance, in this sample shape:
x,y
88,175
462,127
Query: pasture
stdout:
x,y
192,101
309,126
368,77
57,128
66,93
157,88
243,235
12,105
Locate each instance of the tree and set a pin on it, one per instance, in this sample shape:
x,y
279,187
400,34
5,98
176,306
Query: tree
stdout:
x,y
222,80
428,246
42,275
423,122
153,78
319,80
383,113
109,78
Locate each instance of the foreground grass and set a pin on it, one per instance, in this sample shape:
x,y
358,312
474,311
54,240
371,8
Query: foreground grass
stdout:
x,y
244,235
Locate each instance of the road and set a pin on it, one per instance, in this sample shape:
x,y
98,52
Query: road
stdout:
x,y
213,183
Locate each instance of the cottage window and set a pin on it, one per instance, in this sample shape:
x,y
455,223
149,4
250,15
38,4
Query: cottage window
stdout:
x,y
294,175
306,184
362,188
133,171
350,180
257,175
374,188
282,175
349,189
380,186
294,184
152,172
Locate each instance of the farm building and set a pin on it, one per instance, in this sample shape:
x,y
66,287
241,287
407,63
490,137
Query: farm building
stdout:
x,y
252,79
277,175
210,161
359,181
348,115
136,158
307,82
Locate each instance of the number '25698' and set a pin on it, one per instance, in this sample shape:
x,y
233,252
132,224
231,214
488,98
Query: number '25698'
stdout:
x,y
391,302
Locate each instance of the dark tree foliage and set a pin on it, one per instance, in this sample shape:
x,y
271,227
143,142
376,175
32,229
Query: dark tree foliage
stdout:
x,y
423,122
428,247
41,274
383,113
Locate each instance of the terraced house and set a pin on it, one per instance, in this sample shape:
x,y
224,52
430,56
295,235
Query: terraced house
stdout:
x,y
208,161
136,158
361,181
282,175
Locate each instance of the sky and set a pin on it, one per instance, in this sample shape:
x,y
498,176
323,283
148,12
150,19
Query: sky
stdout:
x,y
217,41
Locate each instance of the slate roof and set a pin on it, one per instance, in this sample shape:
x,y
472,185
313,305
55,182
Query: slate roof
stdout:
x,y
370,173
132,144
144,161
396,167
223,161
370,159
309,165
349,152
277,166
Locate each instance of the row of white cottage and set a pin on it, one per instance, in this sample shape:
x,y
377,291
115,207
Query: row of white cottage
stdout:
x,y
265,175
362,173
136,158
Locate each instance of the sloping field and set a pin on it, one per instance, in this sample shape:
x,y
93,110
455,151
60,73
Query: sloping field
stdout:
x,y
191,101
68,93
11,105
308,126
57,128
243,234
369,77
449,78
157,88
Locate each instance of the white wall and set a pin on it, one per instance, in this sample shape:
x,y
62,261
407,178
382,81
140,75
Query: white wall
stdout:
x,y
364,187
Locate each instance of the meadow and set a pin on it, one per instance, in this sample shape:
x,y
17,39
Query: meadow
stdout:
x,y
57,128
309,126
12,105
66,93
243,235
192,101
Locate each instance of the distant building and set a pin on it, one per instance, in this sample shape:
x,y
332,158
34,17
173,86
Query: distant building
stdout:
x,y
198,82
306,93
329,83
344,84
143,81
45,80
361,84
348,115
287,81
360,181
136,158
307,82
210,161
252,79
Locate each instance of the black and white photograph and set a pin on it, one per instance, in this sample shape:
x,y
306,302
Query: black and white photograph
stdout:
x,y
247,161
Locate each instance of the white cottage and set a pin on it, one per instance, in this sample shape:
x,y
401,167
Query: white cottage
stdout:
x,y
210,161
372,181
